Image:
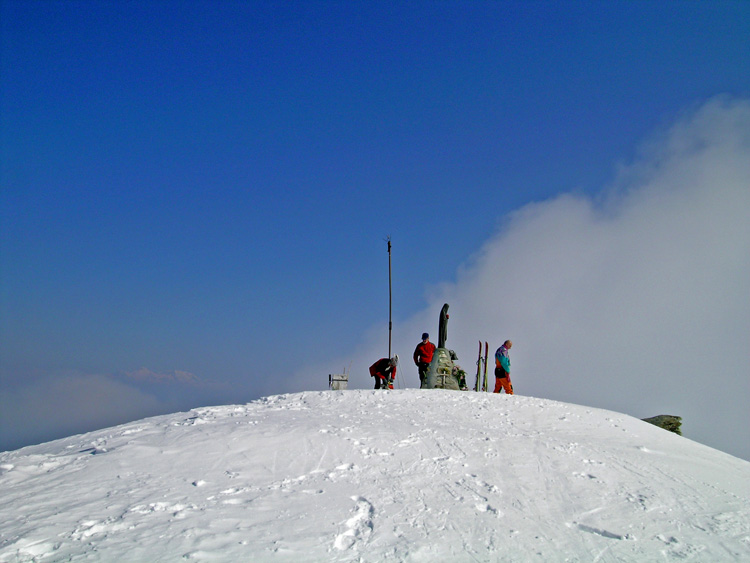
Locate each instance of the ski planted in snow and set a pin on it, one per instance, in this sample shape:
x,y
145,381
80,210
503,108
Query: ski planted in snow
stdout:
x,y
484,363
479,367
486,351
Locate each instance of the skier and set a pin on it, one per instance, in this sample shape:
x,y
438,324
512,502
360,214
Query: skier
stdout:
x,y
502,369
423,356
384,372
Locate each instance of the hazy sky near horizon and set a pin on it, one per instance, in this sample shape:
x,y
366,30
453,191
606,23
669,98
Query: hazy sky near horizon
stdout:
x,y
195,197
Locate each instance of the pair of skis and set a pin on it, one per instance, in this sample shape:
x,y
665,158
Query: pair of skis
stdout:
x,y
482,368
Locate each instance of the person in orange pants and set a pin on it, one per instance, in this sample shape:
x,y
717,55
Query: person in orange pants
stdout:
x,y
502,369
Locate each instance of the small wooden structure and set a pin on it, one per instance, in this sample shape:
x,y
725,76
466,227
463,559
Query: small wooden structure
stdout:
x,y
338,381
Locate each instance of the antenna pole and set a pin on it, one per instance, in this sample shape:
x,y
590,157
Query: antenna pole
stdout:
x,y
390,298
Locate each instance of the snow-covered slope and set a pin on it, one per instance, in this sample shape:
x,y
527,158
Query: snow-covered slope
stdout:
x,y
377,476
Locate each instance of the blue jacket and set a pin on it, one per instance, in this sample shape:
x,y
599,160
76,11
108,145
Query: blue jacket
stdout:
x,y
502,359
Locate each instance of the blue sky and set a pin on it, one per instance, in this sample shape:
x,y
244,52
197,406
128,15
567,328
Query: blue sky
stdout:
x,y
195,196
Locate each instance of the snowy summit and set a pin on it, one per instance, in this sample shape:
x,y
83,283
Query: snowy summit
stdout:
x,y
377,476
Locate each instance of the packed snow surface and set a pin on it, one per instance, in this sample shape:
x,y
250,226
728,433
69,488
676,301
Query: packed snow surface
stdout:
x,y
377,476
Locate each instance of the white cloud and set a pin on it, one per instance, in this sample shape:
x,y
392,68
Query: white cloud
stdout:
x,y
637,300
59,406
177,376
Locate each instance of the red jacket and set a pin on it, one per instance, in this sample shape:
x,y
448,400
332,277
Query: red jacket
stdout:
x,y
383,369
424,352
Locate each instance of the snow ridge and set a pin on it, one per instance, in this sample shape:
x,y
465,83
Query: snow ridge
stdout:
x,y
377,476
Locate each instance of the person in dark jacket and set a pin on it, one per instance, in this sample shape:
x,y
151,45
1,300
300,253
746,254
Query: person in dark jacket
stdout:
x,y
502,369
384,372
423,356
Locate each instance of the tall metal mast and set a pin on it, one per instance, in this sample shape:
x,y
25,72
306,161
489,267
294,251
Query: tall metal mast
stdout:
x,y
390,298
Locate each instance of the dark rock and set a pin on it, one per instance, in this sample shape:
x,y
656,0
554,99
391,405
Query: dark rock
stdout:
x,y
666,421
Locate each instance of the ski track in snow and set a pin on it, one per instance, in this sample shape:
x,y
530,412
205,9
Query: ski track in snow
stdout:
x,y
377,476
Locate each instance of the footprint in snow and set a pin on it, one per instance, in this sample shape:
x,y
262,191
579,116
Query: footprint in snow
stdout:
x,y
484,507
358,527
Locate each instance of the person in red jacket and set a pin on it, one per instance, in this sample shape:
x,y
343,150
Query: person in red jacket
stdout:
x,y
384,372
423,356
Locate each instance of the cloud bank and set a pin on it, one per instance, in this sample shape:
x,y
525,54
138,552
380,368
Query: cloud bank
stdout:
x,y
38,408
636,300
67,404
176,376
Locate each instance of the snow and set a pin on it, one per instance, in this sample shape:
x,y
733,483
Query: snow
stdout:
x,y
406,475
